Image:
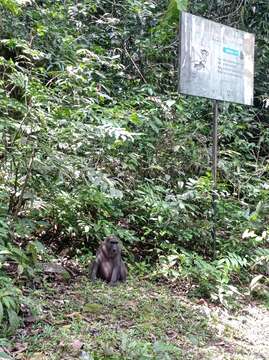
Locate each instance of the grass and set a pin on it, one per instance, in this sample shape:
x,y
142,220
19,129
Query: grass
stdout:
x,y
135,320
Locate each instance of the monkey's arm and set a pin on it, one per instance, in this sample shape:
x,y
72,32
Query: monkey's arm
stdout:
x,y
94,269
123,272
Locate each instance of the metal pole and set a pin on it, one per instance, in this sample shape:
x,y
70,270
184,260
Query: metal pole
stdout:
x,y
214,174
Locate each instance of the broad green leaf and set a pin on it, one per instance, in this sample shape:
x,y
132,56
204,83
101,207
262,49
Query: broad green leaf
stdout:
x,y
254,282
1,311
14,320
4,355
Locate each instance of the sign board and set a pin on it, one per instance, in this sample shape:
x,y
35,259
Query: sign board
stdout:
x,y
216,61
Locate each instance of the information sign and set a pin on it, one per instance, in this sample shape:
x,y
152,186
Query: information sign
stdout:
x,y
216,61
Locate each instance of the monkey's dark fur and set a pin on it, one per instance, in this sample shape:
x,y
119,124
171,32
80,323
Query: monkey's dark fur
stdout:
x,y
108,264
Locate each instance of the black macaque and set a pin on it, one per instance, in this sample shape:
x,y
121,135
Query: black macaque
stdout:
x,y
108,264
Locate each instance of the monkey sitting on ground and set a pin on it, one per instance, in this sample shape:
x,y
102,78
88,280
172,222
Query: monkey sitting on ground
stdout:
x,y
108,264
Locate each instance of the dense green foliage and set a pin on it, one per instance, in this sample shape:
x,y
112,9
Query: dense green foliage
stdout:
x,y
95,140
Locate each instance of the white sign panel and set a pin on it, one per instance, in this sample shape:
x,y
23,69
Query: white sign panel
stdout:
x,y
216,61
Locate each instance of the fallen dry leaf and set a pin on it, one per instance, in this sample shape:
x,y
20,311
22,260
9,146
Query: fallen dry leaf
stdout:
x,y
77,344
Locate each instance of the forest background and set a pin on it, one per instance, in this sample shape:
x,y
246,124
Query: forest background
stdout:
x,y
95,140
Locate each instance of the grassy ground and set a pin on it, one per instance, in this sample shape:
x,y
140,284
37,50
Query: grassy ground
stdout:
x,y
136,320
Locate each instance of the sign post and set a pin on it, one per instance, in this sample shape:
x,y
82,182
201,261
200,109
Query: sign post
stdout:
x,y
216,62
214,173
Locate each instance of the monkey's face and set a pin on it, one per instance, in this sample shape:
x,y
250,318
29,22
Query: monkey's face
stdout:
x,y
112,245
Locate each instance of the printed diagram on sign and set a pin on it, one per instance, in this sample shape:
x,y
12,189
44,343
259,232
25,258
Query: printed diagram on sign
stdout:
x,y
199,63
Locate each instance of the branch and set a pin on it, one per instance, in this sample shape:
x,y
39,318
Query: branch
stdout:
x,y
29,170
137,68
